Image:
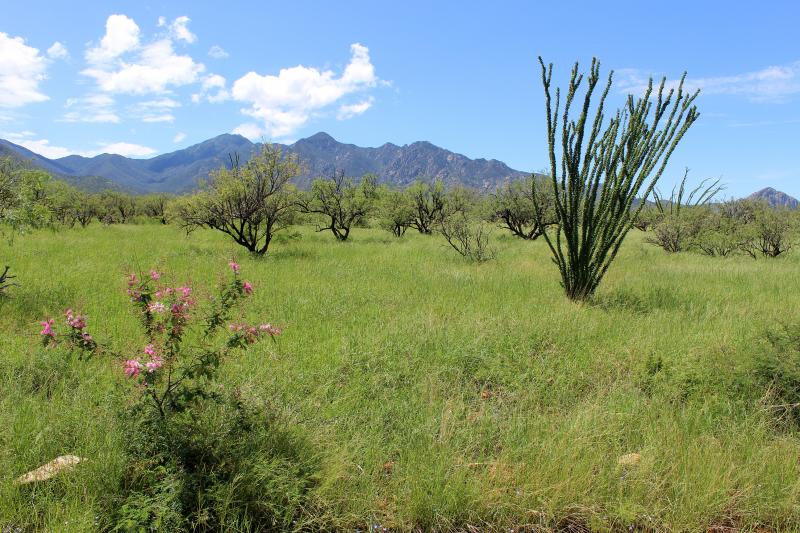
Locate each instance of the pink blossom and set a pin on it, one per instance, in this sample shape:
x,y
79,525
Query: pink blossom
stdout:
x,y
185,291
132,279
234,266
132,367
47,328
156,307
248,289
155,275
154,364
269,329
75,321
150,350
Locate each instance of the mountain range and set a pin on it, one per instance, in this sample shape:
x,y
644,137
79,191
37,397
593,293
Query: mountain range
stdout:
x,y
321,154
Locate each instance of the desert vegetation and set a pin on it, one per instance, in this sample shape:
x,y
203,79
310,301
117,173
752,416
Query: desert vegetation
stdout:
x,y
255,356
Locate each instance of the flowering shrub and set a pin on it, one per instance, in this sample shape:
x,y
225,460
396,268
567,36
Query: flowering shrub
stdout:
x,y
76,337
172,372
200,456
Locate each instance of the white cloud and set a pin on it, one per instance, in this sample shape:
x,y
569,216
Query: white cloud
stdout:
x,y
120,64
126,149
97,108
212,89
122,35
351,110
285,102
44,148
179,137
180,30
217,52
57,51
158,110
22,67
158,68
39,146
249,130
770,84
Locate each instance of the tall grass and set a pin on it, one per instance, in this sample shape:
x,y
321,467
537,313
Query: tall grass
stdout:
x,y
437,394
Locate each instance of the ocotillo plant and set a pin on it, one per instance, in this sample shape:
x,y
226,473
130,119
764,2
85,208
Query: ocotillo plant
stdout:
x,y
599,177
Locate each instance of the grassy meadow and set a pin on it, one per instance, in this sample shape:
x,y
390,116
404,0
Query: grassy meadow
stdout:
x,y
428,392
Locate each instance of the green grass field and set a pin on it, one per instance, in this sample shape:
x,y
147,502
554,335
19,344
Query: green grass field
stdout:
x,y
434,393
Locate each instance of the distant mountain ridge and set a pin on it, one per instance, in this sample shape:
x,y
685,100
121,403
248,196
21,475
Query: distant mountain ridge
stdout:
x,y
775,198
321,154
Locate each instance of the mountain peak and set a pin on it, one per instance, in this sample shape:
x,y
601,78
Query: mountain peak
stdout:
x,y
319,137
775,198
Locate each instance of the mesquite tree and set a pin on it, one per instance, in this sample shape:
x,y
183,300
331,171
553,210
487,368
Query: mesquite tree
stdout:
x,y
429,204
512,207
340,202
604,165
249,202
23,204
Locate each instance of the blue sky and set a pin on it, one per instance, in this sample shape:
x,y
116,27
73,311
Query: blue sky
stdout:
x,y
143,78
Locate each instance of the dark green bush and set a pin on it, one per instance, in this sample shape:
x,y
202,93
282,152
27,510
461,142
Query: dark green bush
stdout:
x,y
778,369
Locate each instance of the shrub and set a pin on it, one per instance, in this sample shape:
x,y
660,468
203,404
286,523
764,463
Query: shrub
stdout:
x,y
200,456
769,233
778,369
470,240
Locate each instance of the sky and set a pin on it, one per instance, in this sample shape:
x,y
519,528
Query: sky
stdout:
x,y
144,78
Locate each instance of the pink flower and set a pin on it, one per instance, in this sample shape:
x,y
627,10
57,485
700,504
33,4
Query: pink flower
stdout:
x,y
150,350
269,329
155,275
248,289
75,321
185,291
132,367
234,266
156,307
47,328
154,364
132,279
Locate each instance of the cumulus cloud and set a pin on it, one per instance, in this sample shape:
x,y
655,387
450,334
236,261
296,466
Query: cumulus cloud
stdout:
x,y
249,130
57,51
122,35
154,68
126,149
179,137
212,89
217,52
158,110
180,30
770,84
22,67
50,151
285,102
97,108
351,110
